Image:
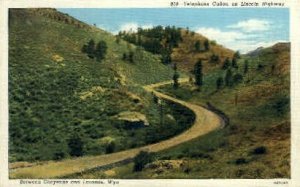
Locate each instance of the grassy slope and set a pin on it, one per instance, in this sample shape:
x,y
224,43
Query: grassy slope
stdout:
x,y
48,75
186,56
257,120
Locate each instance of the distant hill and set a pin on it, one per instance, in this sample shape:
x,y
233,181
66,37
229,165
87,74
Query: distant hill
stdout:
x,y
277,56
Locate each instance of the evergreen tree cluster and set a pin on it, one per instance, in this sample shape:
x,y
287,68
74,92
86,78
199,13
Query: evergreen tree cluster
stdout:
x,y
157,40
205,46
128,56
231,79
94,51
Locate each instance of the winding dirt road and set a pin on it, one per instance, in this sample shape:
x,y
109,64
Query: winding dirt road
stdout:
x,y
205,122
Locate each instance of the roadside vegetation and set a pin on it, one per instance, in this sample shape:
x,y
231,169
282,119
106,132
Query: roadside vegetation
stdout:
x,y
256,141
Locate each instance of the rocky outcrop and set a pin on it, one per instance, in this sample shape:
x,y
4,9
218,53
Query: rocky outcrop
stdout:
x,y
133,119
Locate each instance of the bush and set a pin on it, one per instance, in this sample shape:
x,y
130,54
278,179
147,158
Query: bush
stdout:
x,y
59,155
110,148
259,150
141,159
282,105
240,161
76,146
237,78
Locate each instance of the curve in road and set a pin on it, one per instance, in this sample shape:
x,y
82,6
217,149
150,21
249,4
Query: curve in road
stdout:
x,y
205,122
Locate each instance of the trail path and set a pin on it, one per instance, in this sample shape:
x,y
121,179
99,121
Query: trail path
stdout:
x,y
205,122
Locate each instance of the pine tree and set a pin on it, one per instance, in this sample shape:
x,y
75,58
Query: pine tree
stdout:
x,y
228,78
197,46
130,57
100,50
175,79
214,59
198,73
246,67
110,147
141,159
219,83
237,55
234,63
118,39
226,63
76,145
237,78
124,57
90,50
206,45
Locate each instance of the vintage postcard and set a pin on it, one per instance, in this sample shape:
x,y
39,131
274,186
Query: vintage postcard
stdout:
x,y
149,93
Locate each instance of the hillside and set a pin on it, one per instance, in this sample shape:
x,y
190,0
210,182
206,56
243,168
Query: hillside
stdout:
x,y
63,103
185,55
180,46
254,144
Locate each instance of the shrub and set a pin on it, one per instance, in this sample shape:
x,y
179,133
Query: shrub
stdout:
x,y
240,161
141,159
59,155
226,64
259,150
76,146
110,148
219,83
237,78
281,105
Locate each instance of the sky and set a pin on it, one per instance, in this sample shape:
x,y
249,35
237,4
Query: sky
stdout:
x,y
243,29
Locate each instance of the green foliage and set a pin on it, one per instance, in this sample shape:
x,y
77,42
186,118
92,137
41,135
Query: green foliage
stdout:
x,y
237,78
282,105
76,145
234,63
101,50
166,57
175,79
110,147
157,40
213,42
118,39
219,83
97,52
206,45
237,55
141,159
214,59
89,48
228,78
246,66
197,46
124,57
259,150
131,56
226,64
198,73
